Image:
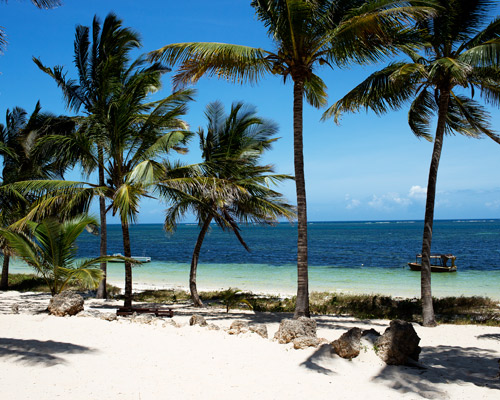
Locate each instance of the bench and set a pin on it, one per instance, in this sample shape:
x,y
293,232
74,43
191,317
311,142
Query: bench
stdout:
x,y
157,311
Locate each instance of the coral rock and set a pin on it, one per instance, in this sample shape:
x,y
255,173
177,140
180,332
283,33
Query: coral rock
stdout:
x,y
399,344
66,303
293,328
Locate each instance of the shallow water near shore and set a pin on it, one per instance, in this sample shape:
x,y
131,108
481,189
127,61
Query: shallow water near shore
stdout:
x,y
355,257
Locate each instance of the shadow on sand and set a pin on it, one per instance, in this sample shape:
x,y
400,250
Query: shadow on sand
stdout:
x,y
445,364
35,352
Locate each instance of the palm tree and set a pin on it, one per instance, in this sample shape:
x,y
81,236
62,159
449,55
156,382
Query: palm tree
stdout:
x,y
460,53
50,249
99,65
306,34
132,135
231,149
21,162
45,4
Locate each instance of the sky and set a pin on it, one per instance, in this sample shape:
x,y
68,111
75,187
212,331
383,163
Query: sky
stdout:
x,y
366,168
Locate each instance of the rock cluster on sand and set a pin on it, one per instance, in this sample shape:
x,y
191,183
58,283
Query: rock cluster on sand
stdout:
x,y
239,326
397,346
66,303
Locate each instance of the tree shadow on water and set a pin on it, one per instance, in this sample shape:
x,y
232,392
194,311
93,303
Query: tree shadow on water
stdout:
x,y
444,364
34,352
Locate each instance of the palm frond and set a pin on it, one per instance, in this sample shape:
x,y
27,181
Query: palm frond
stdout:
x,y
235,63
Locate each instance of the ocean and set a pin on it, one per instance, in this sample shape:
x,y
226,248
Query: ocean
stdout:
x,y
354,257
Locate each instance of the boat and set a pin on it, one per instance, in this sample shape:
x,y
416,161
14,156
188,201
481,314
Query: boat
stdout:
x,y
439,263
141,259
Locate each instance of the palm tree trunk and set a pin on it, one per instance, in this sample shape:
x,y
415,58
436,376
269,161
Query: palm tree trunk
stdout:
x,y
101,290
302,305
128,266
4,283
194,263
427,307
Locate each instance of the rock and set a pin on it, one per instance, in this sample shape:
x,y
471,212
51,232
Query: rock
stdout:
x,y
197,320
259,329
90,313
399,344
108,316
142,318
293,328
213,327
307,341
348,344
370,335
170,322
66,303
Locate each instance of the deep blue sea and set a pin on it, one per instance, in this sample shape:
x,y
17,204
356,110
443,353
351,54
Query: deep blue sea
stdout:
x,y
366,257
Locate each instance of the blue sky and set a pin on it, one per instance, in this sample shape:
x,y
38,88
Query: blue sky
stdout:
x,y
368,168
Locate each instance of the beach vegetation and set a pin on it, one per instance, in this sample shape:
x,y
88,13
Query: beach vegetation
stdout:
x,y
35,283
306,35
461,57
231,146
49,248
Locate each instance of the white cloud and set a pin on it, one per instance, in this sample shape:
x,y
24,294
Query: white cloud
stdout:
x,y
389,201
351,203
417,192
495,205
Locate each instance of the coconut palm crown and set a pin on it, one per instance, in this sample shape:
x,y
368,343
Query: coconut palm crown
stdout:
x,y
461,57
306,34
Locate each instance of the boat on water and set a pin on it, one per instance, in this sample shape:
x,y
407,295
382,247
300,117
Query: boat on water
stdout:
x,y
142,259
439,263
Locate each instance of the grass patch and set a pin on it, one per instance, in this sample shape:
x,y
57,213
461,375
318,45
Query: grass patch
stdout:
x,y
34,283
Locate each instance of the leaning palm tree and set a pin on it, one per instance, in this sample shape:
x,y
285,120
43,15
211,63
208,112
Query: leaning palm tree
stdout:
x,y
460,53
231,149
50,249
306,34
45,4
21,162
101,57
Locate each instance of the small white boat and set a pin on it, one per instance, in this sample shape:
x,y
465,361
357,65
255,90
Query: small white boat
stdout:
x,y
142,259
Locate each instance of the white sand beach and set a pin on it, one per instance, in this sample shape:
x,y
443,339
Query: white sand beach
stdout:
x,y
47,357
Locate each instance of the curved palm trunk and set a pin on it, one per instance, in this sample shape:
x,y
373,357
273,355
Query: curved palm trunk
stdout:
x,y
128,266
194,263
101,290
427,307
302,306
4,283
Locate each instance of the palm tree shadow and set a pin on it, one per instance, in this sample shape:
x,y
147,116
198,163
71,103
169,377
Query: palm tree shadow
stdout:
x,y
34,352
445,364
492,336
322,355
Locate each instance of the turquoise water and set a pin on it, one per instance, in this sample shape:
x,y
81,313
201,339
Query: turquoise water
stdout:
x,y
356,257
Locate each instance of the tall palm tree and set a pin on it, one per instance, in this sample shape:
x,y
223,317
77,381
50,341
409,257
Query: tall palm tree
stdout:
x,y
306,34
131,133
231,148
45,4
460,53
50,249
21,162
101,58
